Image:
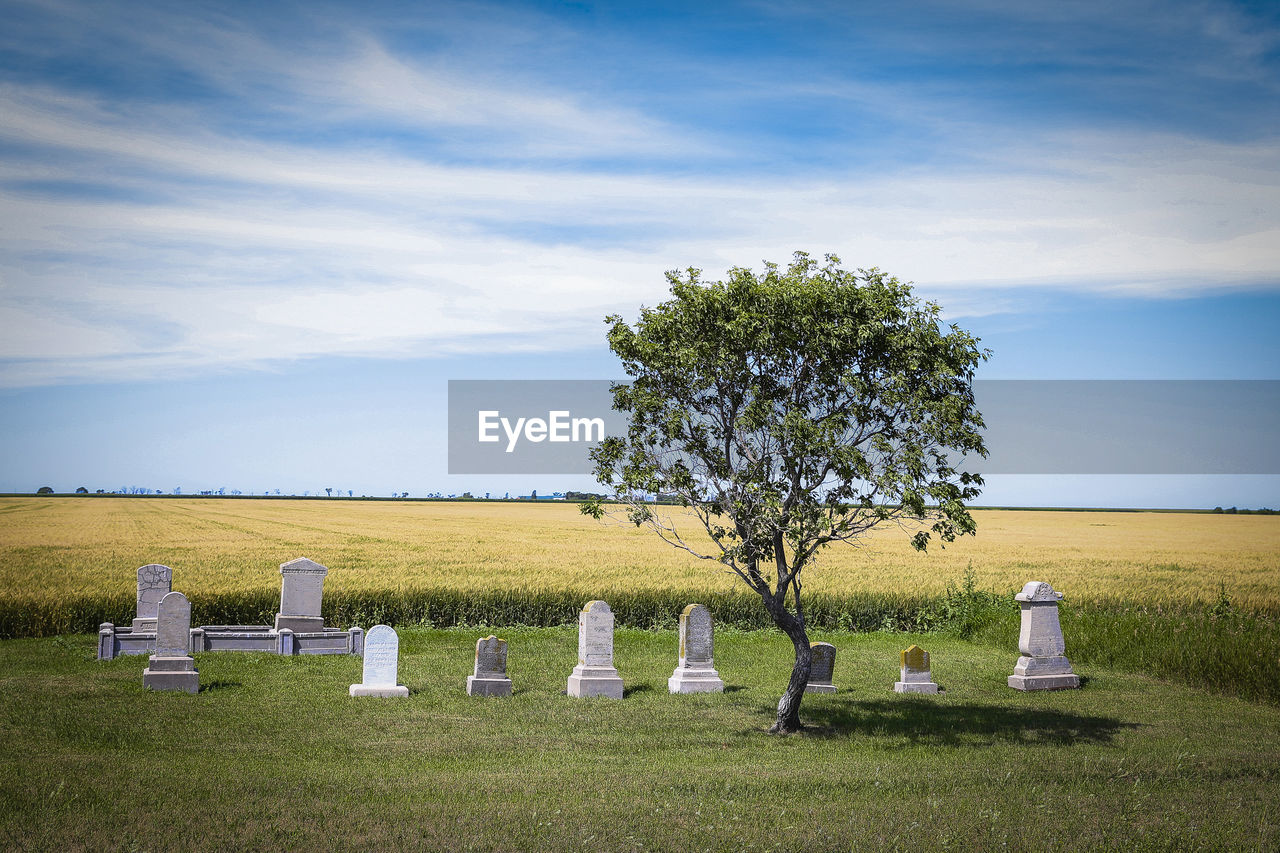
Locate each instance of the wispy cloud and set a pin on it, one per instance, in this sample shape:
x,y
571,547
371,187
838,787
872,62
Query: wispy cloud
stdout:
x,y
348,194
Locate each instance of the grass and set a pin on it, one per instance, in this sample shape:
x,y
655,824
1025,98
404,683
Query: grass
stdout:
x,y
272,754
68,549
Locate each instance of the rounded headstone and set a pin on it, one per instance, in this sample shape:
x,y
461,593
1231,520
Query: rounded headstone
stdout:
x,y
381,656
173,626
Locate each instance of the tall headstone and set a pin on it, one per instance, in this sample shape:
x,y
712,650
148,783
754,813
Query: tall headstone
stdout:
x,y
301,591
822,670
695,672
916,675
594,675
1042,665
154,583
490,676
381,664
172,667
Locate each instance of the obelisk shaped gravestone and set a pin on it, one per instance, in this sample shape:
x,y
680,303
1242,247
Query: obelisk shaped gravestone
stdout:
x,y
695,671
154,583
916,675
381,664
301,592
822,670
490,675
594,675
172,667
1042,665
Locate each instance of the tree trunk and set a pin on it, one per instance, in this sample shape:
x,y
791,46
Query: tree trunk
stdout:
x,y
789,705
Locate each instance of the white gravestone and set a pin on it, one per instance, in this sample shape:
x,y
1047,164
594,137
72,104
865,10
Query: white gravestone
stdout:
x,y
154,583
301,591
490,676
172,667
1042,665
381,664
822,670
594,675
916,674
696,672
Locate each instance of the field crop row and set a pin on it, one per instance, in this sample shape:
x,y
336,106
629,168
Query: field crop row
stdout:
x,y
65,548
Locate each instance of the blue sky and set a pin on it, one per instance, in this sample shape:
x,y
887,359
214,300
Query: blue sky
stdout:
x,y
245,245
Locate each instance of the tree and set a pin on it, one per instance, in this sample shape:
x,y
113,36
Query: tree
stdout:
x,y
81,490
44,490
786,411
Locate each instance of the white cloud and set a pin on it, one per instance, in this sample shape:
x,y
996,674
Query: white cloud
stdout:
x,y
181,242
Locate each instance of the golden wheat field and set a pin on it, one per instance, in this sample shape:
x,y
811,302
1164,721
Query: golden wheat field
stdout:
x,y
53,547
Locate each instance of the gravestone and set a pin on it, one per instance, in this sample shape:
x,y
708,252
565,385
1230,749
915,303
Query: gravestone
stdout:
x,y
301,591
822,669
381,663
594,675
172,667
916,675
154,583
695,672
490,676
1042,665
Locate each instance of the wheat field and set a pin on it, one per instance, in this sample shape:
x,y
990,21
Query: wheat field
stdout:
x,y
56,547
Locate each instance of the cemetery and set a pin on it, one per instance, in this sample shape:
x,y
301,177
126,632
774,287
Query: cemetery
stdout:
x,y
163,627
402,731
299,629
1123,753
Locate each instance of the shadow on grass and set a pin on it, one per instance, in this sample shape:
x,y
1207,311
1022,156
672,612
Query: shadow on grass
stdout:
x,y
637,688
921,721
218,684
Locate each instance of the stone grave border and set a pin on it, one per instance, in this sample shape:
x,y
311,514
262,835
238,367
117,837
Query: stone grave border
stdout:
x,y
115,640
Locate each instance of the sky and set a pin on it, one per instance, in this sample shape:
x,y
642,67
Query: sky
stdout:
x,y
246,245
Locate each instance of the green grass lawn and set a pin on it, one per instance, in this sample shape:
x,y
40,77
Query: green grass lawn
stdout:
x,y
273,754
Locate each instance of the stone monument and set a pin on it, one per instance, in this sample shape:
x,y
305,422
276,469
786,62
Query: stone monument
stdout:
x,y
594,675
172,667
822,669
154,583
381,662
916,675
1042,665
695,672
301,589
490,677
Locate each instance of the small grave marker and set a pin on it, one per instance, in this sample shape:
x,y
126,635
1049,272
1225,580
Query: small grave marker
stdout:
x,y
695,671
916,675
381,664
595,675
822,670
490,675
301,592
172,667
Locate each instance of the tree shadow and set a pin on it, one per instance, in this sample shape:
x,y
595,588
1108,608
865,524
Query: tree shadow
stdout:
x,y
920,720
733,688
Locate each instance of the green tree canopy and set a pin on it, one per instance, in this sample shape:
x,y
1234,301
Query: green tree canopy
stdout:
x,y
789,410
